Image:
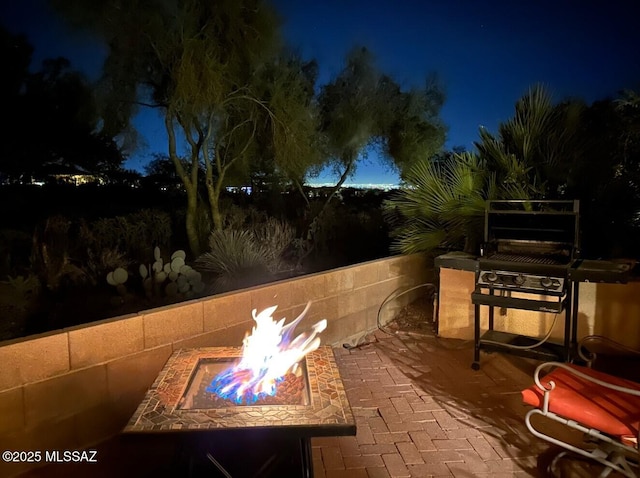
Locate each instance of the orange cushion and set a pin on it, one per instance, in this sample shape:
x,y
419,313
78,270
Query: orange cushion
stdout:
x,y
574,398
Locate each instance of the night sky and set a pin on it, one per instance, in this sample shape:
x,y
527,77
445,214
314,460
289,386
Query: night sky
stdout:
x,y
486,53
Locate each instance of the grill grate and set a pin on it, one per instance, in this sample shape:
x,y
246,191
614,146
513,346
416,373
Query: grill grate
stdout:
x,y
525,259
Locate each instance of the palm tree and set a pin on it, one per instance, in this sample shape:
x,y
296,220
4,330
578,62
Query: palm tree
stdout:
x,y
442,204
530,157
536,147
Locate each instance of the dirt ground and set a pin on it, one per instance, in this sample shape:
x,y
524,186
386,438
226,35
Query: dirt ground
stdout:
x,y
416,317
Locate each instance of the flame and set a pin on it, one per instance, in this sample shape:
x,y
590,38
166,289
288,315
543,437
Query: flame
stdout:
x,y
268,354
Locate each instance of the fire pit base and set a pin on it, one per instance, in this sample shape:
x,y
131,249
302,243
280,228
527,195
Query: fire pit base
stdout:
x,y
246,454
258,453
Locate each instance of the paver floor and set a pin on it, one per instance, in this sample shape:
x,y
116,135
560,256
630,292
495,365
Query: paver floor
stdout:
x,y
421,411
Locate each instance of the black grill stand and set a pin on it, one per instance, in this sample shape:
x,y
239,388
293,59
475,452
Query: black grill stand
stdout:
x,y
497,341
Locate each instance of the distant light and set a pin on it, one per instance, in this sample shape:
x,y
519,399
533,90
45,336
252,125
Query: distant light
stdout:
x,y
384,187
239,189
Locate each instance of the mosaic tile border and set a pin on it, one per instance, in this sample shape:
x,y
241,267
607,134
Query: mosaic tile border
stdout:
x,y
329,408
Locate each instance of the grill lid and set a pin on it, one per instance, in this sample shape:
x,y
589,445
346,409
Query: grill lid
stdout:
x,y
532,228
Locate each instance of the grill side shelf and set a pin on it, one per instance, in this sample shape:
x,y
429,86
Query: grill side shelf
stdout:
x,y
601,271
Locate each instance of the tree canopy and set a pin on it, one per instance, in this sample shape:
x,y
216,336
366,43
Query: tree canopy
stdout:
x,y
363,108
57,105
244,105
547,150
216,72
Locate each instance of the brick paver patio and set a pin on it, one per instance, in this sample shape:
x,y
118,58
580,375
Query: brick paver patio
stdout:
x,y
421,411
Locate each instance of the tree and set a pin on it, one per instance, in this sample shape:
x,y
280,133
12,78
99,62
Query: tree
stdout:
x,y
61,102
605,176
362,108
204,64
548,151
161,172
414,129
442,204
16,55
288,84
532,148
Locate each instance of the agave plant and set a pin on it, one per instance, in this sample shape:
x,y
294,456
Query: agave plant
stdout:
x,y
240,258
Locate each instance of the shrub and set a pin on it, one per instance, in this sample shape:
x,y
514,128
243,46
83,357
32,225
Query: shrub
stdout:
x,y
241,258
131,234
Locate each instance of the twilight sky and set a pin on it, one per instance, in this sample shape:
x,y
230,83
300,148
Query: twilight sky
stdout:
x,y
487,53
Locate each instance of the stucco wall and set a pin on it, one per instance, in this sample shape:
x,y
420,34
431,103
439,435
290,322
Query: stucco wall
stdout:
x,y
72,388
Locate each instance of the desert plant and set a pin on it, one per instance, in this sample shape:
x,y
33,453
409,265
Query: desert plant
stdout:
x,y
533,146
98,263
117,278
276,236
15,246
130,234
442,204
18,299
240,258
171,279
234,260
23,290
51,255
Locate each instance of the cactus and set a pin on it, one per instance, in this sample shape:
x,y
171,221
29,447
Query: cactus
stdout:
x,y
172,279
117,278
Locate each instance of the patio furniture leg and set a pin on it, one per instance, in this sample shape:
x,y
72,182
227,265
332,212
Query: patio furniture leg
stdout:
x,y
476,334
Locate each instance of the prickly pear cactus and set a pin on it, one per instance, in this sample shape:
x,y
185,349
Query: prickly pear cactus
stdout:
x,y
117,279
173,278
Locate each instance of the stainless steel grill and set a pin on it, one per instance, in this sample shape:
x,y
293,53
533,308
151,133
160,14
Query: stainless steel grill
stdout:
x,y
528,249
532,248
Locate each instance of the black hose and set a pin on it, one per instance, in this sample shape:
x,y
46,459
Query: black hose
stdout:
x,y
394,295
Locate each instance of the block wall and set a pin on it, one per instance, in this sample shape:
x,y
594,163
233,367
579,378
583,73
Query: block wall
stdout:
x,y
612,310
73,388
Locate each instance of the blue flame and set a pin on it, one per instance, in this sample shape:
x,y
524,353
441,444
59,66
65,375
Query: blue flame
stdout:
x,y
228,385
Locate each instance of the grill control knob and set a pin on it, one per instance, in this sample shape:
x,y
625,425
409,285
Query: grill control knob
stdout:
x,y
519,279
491,277
546,282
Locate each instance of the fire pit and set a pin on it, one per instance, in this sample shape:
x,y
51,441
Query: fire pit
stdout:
x,y
175,402
182,401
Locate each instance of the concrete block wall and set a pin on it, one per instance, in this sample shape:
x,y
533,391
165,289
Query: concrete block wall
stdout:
x,y
456,312
69,389
611,310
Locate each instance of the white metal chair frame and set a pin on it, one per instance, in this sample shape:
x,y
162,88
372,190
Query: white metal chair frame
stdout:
x,y
610,452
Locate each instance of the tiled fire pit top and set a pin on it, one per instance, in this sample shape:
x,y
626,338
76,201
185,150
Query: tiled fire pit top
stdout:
x,y
327,413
